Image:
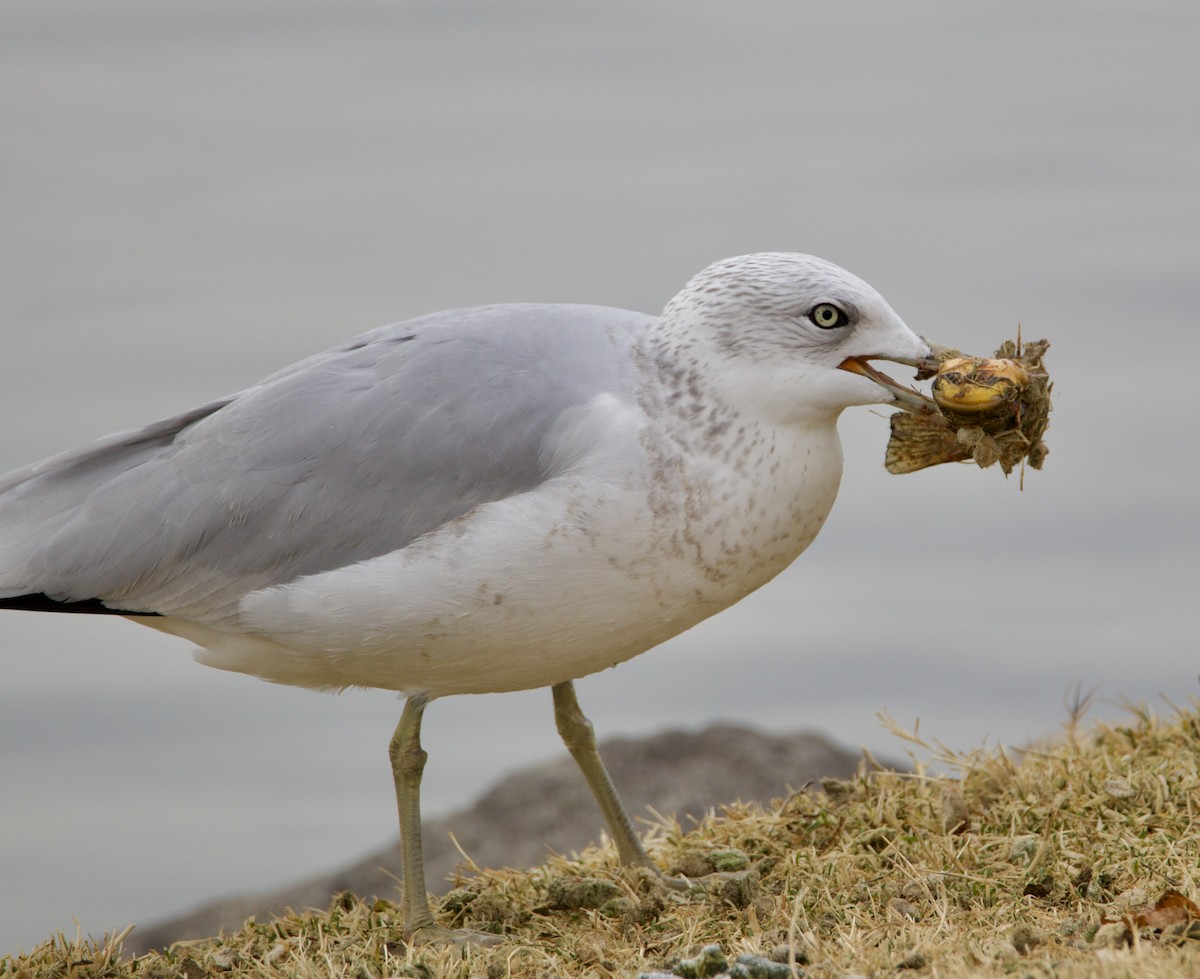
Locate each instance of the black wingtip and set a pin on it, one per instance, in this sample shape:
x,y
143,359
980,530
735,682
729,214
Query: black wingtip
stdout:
x,y
41,602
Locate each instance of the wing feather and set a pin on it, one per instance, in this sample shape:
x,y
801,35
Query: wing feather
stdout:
x,y
340,458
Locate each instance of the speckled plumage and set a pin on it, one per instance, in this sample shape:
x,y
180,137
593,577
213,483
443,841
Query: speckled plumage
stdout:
x,y
477,500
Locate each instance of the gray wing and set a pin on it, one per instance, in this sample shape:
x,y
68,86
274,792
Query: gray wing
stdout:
x,y
340,458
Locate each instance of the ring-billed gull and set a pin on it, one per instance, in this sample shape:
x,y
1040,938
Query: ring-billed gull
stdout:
x,y
475,501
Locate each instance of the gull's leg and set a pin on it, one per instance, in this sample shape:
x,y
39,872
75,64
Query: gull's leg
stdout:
x,y
408,762
578,736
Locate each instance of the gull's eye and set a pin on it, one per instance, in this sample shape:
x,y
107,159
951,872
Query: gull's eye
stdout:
x,y
828,316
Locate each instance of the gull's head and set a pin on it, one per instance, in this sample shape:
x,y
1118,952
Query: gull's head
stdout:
x,y
795,333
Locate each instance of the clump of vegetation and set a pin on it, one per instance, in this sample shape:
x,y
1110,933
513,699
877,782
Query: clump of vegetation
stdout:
x,y
1076,859
985,409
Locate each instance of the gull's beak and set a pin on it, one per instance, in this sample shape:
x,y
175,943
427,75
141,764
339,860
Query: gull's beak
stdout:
x,y
906,397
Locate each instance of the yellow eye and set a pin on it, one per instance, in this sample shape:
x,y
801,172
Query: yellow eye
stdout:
x,y
827,316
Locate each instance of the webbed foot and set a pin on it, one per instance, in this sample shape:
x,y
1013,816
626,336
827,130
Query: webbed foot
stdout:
x,y
464,937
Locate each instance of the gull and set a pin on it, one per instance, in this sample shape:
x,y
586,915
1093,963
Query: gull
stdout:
x,y
476,501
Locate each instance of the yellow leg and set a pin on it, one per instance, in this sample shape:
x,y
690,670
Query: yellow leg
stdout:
x,y
408,762
580,739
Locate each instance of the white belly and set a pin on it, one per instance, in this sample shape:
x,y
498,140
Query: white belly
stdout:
x,y
578,575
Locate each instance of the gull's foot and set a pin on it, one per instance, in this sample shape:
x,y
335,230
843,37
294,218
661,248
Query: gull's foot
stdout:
x,y
647,877
652,876
462,937
719,879
675,883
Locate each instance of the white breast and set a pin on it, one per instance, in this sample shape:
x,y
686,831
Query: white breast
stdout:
x,y
637,542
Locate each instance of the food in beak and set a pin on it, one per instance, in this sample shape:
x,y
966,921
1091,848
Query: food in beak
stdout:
x,y
980,391
989,410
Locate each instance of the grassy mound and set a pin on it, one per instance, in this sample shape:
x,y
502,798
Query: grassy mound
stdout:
x,y
1078,859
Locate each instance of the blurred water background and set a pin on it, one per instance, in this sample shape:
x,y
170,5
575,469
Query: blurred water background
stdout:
x,y
195,194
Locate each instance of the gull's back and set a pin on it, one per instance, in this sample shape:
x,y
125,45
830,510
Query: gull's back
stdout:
x,y
343,457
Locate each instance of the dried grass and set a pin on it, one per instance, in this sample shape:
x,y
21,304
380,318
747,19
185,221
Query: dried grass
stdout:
x,y
1039,866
